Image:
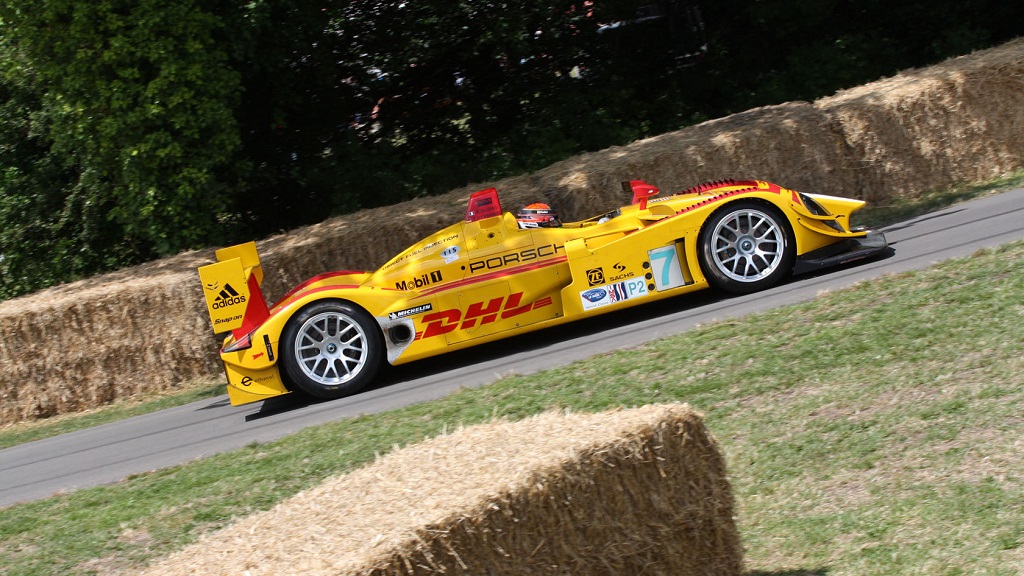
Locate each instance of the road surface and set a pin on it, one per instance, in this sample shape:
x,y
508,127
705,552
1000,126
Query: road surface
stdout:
x,y
109,453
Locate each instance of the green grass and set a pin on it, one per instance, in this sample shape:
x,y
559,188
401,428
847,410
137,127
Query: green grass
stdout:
x,y
874,430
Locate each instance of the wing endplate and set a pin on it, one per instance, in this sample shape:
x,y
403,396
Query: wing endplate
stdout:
x,y
232,290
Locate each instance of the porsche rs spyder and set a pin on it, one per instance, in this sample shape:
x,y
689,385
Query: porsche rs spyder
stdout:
x,y
490,276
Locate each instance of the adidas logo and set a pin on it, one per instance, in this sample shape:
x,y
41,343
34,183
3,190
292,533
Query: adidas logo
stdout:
x,y
228,297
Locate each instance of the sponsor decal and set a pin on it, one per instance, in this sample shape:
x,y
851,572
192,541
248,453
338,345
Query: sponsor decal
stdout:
x,y
226,320
410,311
595,276
421,281
612,293
527,255
270,349
621,273
450,254
257,356
228,297
478,313
248,381
419,251
595,295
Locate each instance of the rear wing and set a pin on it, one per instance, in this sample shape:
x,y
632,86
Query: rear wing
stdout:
x,y
232,289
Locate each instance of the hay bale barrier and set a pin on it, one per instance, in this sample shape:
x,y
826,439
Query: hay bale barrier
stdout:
x,y
144,329
960,121
639,491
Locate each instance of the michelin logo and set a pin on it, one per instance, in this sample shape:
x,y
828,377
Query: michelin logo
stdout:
x,y
410,311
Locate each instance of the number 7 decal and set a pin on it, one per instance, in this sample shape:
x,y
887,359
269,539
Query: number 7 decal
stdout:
x,y
668,273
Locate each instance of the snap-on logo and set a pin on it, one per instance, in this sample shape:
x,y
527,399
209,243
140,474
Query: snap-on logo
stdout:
x,y
226,320
419,282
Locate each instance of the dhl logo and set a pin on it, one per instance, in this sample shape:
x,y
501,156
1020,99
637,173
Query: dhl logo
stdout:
x,y
445,321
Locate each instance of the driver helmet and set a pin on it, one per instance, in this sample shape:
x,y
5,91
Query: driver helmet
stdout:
x,y
538,215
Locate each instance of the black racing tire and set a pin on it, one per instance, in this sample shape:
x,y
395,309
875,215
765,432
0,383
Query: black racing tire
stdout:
x,y
745,247
331,349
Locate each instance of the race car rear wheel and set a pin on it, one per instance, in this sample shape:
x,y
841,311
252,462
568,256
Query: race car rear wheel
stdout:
x,y
331,349
746,247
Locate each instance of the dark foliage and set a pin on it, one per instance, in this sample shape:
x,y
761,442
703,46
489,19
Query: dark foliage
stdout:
x,y
132,129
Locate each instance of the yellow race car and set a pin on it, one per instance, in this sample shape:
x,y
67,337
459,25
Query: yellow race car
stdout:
x,y
496,275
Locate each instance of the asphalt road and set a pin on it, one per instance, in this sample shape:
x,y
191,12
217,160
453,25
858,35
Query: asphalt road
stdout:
x,y
109,453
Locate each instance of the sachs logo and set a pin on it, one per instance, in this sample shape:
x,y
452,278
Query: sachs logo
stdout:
x,y
228,297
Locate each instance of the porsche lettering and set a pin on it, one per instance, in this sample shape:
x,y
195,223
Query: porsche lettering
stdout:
x,y
519,257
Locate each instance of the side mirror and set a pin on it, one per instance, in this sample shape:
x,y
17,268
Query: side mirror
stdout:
x,y
641,191
483,204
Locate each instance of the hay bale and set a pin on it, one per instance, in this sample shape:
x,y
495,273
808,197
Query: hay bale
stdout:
x,y
628,492
958,121
790,143
85,344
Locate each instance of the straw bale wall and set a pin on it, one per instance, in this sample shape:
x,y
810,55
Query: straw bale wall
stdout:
x,y
639,491
144,329
959,121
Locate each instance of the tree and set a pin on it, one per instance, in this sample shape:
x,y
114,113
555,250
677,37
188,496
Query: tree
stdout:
x,y
133,111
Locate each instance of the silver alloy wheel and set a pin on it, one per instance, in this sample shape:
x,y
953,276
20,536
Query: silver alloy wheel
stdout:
x,y
330,348
748,245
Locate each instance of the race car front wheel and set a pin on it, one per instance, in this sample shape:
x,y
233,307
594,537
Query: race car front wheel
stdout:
x,y
331,349
746,247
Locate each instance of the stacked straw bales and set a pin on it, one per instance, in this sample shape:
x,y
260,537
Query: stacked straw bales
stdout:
x,y
144,329
640,491
960,121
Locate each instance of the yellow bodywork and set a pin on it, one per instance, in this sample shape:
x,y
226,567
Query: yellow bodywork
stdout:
x,y
479,281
